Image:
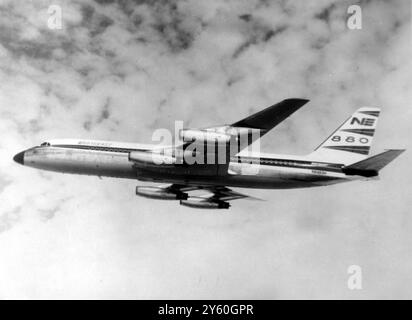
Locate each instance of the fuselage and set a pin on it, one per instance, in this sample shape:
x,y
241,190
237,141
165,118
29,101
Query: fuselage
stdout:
x,y
111,159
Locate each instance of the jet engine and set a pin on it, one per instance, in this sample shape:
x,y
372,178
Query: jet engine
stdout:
x,y
160,193
151,158
190,135
205,203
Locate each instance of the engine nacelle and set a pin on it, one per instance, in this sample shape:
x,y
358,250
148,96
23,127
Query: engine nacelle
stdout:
x,y
205,204
147,158
190,135
160,193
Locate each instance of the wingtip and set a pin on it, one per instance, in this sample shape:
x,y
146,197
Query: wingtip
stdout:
x,y
297,100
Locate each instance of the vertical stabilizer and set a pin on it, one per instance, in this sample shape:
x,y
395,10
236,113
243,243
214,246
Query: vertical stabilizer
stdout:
x,y
352,141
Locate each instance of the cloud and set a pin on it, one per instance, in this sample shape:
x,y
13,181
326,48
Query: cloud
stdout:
x,y
117,70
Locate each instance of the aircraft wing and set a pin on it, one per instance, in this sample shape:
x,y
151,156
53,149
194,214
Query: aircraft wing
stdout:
x,y
267,119
226,194
253,127
216,198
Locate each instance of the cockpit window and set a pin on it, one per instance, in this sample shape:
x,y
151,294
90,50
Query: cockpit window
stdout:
x,y
45,144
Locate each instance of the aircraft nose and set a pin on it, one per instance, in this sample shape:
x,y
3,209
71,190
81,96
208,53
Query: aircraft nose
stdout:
x,y
19,157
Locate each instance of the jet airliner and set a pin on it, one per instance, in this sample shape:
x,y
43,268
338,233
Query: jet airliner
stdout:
x,y
342,157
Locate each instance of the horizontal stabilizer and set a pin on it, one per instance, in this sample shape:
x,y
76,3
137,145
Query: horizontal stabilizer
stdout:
x,y
371,166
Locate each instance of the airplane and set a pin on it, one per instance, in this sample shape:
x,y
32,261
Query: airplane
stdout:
x,y
341,157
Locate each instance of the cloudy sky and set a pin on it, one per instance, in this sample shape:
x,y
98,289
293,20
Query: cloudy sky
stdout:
x,y
117,70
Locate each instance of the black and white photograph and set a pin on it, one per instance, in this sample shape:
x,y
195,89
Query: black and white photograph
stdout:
x,y
235,150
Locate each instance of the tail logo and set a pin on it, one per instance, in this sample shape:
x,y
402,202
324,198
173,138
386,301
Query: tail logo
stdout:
x,y
353,139
363,122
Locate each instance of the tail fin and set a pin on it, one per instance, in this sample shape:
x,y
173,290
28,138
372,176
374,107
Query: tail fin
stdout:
x,y
371,166
351,142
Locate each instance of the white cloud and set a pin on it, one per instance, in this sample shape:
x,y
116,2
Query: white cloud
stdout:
x,y
117,71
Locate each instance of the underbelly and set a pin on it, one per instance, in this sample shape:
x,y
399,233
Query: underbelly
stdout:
x,y
260,181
